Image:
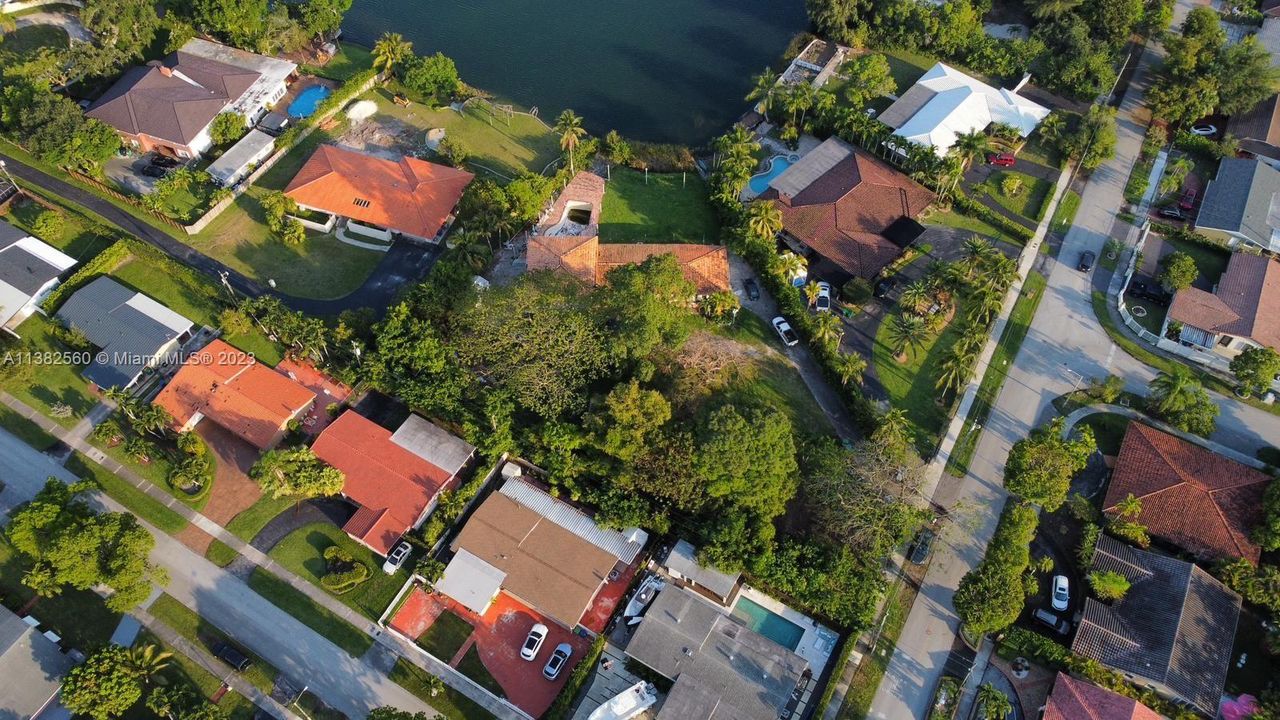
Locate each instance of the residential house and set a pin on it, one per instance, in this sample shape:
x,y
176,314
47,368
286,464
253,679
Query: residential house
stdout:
x,y
378,197
1240,205
1191,497
240,159
393,478
32,666
29,270
1243,311
538,549
236,392
945,103
682,565
1073,699
853,212
567,239
719,667
1258,131
168,105
132,331
1172,631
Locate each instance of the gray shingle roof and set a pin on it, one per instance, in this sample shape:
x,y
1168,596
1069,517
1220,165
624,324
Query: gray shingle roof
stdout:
x,y
683,559
433,444
128,326
1175,626
721,668
10,234
19,268
32,667
1239,198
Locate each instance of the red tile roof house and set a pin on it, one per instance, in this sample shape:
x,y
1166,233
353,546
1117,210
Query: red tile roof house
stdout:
x,y
1191,497
235,391
1243,311
1074,699
848,208
568,239
378,197
394,479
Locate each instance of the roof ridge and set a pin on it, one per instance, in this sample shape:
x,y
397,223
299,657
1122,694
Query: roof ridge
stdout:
x,y
1107,630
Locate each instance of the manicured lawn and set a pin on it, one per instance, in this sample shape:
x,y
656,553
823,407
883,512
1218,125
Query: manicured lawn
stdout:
x,y
1108,430
184,621
906,67
52,381
1029,203
26,40
25,430
351,59
1015,331
302,551
252,519
309,613
474,668
1211,261
79,616
910,384
183,669
157,470
953,219
1148,314
138,502
1065,214
670,207
867,678
451,703
1036,151
220,553
445,636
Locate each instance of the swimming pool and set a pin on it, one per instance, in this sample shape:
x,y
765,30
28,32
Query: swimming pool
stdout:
x,y
760,183
769,624
305,104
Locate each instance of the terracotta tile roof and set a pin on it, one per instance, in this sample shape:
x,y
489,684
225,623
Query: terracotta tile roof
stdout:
x,y
589,260
583,188
1074,699
235,391
574,254
392,484
843,213
1191,497
411,196
1246,302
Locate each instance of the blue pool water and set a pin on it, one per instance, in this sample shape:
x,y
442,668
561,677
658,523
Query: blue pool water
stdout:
x,y
760,183
769,624
305,104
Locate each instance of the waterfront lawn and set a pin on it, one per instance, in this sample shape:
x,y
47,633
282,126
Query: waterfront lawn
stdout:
x,y
50,383
310,613
27,40
79,616
351,59
188,624
446,636
906,67
184,670
302,552
450,703
1029,203
668,207
910,384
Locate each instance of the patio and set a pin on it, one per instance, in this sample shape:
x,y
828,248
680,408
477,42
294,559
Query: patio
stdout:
x,y
328,392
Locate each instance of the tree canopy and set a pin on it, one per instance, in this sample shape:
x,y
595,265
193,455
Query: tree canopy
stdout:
x,y
296,472
1040,467
104,686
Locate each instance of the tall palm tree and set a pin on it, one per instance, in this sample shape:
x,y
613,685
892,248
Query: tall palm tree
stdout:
x,y
806,96
147,661
762,89
985,304
1052,127
915,298
569,127
1129,508
791,266
824,103
970,145
893,429
970,343
811,292
1049,9
952,373
764,219
977,251
1174,392
827,329
994,704
850,368
389,51
906,332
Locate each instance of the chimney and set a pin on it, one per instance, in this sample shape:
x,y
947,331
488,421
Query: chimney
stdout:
x,y
1025,79
166,71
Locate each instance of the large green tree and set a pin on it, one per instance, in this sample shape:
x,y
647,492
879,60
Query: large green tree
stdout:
x,y
127,27
102,687
748,457
1178,271
868,77
412,361
296,472
1040,467
1256,368
1178,398
321,17
646,306
1267,532
631,417
240,22
434,77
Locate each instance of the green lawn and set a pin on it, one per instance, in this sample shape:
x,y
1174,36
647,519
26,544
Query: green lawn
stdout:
x,y
1108,430
953,219
1211,261
79,616
80,238
310,613
351,59
1036,151
157,470
183,669
302,552
191,626
25,430
857,701
910,384
906,67
451,703
670,207
1015,331
26,40
474,668
49,381
252,519
138,502
445,636
1065,214
1029,203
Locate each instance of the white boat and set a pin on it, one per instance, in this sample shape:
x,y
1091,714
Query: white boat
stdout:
x,y
644,595
628,704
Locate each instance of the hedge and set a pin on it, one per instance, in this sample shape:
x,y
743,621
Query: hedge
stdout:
x,y
103,263
972,208
342,581
562,708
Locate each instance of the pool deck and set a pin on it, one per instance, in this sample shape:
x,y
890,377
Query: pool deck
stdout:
x,y
818,641
776,149
297,88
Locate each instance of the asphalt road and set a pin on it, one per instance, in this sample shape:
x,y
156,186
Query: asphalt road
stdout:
x,y
343,682
404,264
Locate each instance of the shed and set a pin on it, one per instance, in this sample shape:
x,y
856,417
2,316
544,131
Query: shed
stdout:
x,y
236,162
682,563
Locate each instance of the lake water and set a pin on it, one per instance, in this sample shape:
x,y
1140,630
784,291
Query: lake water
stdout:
x,y
670,70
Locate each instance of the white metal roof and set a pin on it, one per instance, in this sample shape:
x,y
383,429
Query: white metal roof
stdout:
x,y
433,444
471,581
253,147
159,313
623,545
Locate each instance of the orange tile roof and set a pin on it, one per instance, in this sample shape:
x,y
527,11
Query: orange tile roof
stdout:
x,y
573,254
410,196
589,260
1191,496
391,484
585,187
1246,302
1074,699
234,390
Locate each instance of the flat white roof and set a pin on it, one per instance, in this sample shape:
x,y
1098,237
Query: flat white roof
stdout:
x,y
251,148
159,313
471,581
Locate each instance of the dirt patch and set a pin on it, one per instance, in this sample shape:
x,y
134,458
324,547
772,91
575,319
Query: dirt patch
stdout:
x,y
708,362
384,137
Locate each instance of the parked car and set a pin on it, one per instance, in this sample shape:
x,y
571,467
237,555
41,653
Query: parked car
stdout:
x,y
1188,199
395,558
752,289
1086,261
1204,130
559,658
1002,159
233,656
921,547
533,643
1172,213
824,298
1059,625
1061,593
1155,294
785,332
885,286
154,171
164,162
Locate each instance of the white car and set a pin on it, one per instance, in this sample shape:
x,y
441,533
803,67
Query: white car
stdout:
x,y
1204,129
559,658
533,643
1061,593
789,337
396,558
824,297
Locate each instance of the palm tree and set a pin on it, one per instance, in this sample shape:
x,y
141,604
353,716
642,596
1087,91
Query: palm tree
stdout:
x,y
906,332
147,661
823,104
953,372
389,51
1174,392
569,127
762,89
827,329
969,344
791,266
850,368
473,252
805,98
894,430
971,145
977,251
995,704
915,298
1129,508
1048,9
764,219
811,292
999,275
984,305
1052,127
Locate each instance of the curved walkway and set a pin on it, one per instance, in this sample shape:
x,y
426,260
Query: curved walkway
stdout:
x,y
305,513
1081,413
69,23
404,264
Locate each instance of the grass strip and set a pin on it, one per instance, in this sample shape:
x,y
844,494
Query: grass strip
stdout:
x,y
136,501
857,701
448,702
184,621
310,613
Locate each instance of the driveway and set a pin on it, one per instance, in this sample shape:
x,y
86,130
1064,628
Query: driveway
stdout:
x,y
308,512
69,22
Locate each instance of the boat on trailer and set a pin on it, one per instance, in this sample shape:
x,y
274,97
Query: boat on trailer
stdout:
x,y
644,595
627,704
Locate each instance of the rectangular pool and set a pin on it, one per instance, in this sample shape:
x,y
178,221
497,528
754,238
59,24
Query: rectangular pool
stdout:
x,y
769,624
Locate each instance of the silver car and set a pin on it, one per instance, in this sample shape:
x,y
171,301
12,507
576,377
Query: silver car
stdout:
x,y
559,658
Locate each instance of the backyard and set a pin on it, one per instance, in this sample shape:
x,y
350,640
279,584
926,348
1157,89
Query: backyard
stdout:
x,y
656,208
52,388
27,40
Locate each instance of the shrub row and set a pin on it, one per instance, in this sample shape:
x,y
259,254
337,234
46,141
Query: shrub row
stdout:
x,y
661,157
991,596
973,208
562,708
103,263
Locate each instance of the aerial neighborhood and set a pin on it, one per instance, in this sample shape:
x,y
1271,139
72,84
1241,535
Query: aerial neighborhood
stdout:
x,y
930,373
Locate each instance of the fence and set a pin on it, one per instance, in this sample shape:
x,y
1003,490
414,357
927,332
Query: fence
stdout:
x,y
103,187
